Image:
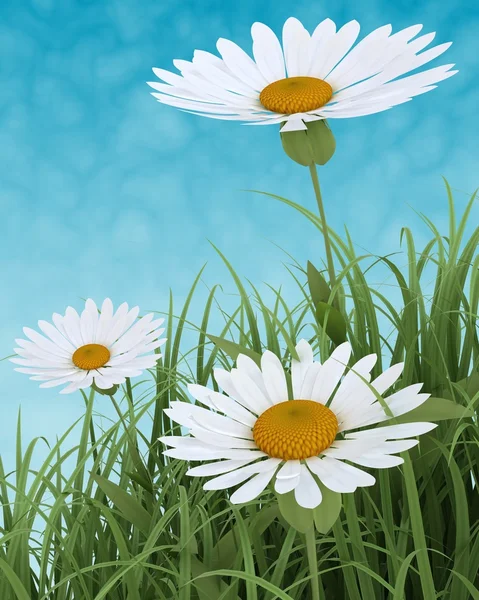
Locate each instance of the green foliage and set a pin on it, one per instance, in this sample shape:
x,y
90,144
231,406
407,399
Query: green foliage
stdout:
x,y
126,523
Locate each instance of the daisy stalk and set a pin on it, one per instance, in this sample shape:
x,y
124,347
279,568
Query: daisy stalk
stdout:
x,y
304,81
299,444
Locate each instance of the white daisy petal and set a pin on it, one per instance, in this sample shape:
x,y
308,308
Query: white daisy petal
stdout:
x,y
219,440
392,432
51,359
37,362
297,48
307,492
399,403
274,378
347,394
283,486
213,69
299,367
45,344
181,412
106,314
379,461
357,64
329,472
392,447
219,424
81,384
337,48
361,478
241,474
56,336
309,380
246,365
50,373
241,65
71,322
320,40
267,53
233,409
331,373
200,393
251,396
250,490
292,124
290,470
217,468
347,449
224,380
210,453
388,378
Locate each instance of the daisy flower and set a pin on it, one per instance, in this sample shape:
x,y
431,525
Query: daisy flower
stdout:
x,y
310,77
263,434
79,350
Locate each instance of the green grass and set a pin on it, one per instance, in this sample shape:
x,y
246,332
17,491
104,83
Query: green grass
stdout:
x,y
126,523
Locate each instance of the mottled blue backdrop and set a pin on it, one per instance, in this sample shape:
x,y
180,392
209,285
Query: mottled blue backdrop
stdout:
x,y
105,192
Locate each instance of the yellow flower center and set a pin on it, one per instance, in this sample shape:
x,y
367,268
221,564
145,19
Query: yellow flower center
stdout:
x,y
296,95
91,356
295,429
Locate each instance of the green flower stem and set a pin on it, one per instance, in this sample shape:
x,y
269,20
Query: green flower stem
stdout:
x,y
317,592
427,581
91,426
348,572
322,214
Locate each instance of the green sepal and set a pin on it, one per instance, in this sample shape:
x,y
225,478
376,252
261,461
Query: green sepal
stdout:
x,y
322,141
298,517
326,514
109,392
315,144
332,321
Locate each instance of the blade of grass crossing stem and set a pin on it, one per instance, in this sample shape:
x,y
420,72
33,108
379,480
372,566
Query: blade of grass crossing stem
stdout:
x,y
282,561
184,583
255,337
272,322
246,554
359,553
82,452
461,515
427,582
347,570
272,342
200,364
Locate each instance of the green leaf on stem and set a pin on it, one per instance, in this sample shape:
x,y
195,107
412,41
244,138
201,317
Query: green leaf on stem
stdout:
x,y
326,514
233,350
436,409
332,321
318,287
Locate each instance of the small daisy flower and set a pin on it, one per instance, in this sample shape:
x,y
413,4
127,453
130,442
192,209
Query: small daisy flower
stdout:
x,y
263,434
310,77
79,350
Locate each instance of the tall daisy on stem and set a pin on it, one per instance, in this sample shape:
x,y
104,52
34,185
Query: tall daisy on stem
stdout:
x,y
299,436
97,348
303,82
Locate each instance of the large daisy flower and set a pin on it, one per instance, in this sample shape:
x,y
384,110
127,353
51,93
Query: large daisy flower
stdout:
x,y
309,78
263,434
79,350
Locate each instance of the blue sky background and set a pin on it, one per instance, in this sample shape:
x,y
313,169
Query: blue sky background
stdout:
x,y
105,192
